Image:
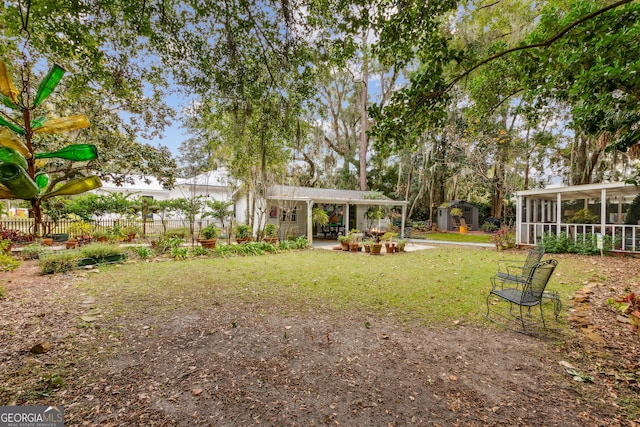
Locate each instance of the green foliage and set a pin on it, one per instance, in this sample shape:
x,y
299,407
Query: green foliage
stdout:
x,y
583,216
59,262
219,210
166,243
584,244
200,251
271,230
143,252
242,231
632,217
3,292
319,216
455,212
182,233
299,243
34,251
504,238
100,251
179,252
8,262
210,232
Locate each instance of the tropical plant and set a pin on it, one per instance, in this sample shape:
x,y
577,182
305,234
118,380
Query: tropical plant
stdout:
x,y
319,216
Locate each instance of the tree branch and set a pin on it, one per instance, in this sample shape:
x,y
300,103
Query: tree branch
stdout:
x,y
545,43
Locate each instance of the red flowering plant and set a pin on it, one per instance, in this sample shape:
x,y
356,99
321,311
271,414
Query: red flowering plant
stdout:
x,y
504,238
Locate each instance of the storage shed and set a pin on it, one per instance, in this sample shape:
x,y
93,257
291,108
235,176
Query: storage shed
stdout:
x,y
469,213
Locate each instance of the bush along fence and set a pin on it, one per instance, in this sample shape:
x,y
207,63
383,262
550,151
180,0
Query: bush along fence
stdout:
x,y
583,244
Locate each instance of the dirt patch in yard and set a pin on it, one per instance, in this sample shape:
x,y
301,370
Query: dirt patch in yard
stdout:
x,y
241,364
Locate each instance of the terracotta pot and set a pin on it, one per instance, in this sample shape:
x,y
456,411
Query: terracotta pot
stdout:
x,y
208,243
272,240
376,248
345,246
390,247
71,243
47,241
354,247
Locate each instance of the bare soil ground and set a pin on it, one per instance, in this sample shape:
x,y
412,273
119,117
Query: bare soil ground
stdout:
x,y
233,364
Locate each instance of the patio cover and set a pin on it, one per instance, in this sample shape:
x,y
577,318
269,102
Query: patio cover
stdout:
x,y
311,195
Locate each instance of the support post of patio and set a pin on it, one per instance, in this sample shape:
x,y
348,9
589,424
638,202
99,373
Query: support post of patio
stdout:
x,y
603,211
310,221
402,223
558,213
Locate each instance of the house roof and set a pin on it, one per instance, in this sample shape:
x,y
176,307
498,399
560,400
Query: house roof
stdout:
x,y
140,183
328,195
215,178
588,191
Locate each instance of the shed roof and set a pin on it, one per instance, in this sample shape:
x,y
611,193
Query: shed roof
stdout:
x,y
328,195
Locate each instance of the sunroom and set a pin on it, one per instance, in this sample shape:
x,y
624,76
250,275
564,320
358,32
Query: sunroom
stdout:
x,y
594,209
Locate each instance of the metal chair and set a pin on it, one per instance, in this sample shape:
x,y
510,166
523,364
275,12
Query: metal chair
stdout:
x,y
513,271
525,294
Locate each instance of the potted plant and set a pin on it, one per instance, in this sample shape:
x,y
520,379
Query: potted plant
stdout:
x,y
131,231
489,227
242,233
270,233
209,235
344,241
401,244
389,244
100,235
354,241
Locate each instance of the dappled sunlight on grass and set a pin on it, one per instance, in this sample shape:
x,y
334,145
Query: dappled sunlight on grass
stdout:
x,y
435,286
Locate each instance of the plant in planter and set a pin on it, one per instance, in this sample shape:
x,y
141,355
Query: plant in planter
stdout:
x,y
344,241
504,238
401,244
388,240
100,235
354,241
271,233
209,235
242,233
80,229
489,227
131,231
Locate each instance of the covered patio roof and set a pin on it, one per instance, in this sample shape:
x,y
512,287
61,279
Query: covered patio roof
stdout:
x,y
327,195
577,192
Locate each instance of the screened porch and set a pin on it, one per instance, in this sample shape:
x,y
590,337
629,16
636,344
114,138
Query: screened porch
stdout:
x,y
580,211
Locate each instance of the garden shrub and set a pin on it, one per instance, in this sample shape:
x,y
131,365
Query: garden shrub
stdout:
x,y
59,262
143,252
100,251
8,262
3,292
585,244
34,251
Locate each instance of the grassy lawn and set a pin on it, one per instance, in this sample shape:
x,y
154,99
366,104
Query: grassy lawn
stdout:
x,y
453,237
435,286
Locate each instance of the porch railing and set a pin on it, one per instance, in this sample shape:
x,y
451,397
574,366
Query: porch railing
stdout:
x,y
625,237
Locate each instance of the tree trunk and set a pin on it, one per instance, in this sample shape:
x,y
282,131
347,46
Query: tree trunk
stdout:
x,y
364,138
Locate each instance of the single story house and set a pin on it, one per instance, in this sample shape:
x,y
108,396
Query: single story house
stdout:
x,y
291,207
